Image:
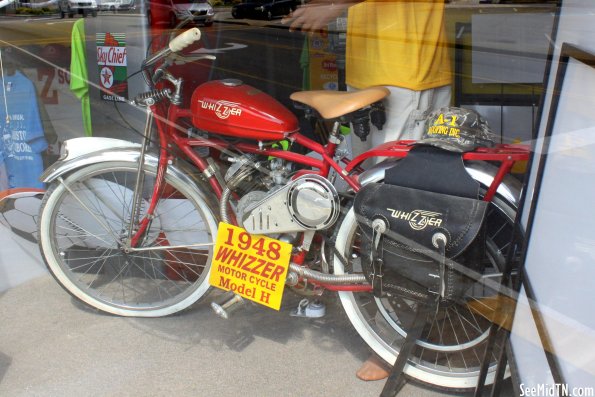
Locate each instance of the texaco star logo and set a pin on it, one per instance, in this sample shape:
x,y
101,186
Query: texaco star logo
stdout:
x,y
107,77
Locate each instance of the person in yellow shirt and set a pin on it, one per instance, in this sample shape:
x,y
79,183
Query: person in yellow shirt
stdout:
x,y
399,44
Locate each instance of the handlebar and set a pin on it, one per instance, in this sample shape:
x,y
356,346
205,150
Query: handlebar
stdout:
x,y
183,40
171,52
179,43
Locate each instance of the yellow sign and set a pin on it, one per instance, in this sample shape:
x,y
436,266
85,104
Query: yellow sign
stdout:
x,y
252,266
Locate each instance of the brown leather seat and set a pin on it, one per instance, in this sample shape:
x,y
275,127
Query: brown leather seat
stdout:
x,y
333,104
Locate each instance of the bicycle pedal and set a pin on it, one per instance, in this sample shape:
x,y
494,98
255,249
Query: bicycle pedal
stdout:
x,y
314,309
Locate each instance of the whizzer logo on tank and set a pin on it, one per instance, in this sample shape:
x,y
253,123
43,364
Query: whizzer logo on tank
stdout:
x,y
223,109
112,64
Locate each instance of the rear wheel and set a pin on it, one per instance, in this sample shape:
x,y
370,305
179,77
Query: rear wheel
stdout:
x,y
452,345
84,231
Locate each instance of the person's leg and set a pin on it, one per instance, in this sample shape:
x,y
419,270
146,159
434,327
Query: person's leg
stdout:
x,y
406,112
424,102
398,107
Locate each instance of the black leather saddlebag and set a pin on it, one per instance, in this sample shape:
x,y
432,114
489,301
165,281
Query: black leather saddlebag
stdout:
x,y
407,258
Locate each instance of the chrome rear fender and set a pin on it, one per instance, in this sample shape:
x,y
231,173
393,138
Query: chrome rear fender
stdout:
x,y
482,172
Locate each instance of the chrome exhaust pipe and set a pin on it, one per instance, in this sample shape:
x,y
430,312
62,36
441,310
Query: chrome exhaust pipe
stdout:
x,y
227,303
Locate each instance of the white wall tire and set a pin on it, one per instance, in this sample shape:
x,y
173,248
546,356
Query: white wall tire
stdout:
x,y
84,216
384,336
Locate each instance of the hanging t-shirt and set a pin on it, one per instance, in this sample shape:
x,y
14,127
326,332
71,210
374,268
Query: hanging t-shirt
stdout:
x,y
23,138
79,80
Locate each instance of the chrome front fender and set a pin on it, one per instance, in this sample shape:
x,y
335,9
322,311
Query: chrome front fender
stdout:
x,y
81,152
484,173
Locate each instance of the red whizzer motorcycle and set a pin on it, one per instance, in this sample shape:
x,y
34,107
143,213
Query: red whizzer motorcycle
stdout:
x,y
133,229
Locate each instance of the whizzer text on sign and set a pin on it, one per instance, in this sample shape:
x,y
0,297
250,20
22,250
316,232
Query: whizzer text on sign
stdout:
x,y
252,266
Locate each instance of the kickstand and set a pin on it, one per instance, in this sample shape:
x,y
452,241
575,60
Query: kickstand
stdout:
x,y
396,379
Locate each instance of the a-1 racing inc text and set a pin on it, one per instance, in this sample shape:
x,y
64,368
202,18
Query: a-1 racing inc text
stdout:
x,y
254,267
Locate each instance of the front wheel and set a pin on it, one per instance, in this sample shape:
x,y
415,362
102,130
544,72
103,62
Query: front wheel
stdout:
x,y
450,350
84,228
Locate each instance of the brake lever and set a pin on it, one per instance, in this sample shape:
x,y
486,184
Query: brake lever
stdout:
x,y
180,59
209,57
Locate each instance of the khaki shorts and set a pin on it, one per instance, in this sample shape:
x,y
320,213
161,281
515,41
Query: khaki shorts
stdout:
x,y
406,111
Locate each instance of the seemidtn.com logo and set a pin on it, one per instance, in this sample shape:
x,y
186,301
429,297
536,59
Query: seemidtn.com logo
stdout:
x,y
556,390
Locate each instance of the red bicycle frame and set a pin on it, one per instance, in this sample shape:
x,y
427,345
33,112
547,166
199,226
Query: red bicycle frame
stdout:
x,y
172,135
169,132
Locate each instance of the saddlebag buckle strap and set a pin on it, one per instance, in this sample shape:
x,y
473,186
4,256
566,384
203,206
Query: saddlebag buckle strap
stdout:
x,y
378,230
439,240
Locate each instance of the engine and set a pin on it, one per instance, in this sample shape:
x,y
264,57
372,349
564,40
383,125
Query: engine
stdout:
x,y
309,202
271,202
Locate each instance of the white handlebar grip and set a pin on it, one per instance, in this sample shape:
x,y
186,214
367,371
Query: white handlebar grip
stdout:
x,y
184,40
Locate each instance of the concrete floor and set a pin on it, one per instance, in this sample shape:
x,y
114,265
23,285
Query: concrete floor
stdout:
x,y
51,345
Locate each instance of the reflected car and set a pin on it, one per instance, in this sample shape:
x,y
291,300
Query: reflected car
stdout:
x,y
263,9
171,12
116,5
71,7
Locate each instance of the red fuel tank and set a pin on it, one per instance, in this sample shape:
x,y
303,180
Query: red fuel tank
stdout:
x,y
229,107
